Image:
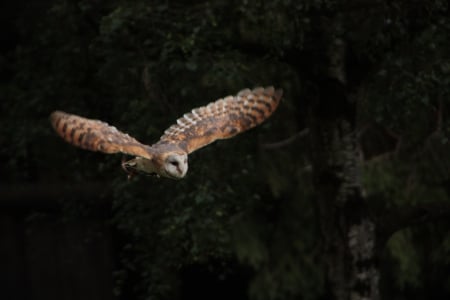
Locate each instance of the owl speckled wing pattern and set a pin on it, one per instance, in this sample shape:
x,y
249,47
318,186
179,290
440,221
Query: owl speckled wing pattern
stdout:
x,y
222,119
96,135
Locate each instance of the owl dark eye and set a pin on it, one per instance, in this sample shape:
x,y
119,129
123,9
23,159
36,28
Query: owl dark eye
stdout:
x,y
175,163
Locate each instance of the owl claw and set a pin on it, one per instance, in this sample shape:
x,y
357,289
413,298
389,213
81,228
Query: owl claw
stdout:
x,y
130,172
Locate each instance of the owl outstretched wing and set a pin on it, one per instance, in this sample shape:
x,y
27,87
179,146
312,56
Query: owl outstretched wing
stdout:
x,y
96,135
222,119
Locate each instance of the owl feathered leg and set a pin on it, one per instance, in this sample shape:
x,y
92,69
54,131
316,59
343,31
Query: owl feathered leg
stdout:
x,y
132,168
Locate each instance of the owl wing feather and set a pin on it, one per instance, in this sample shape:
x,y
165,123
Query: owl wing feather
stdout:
x,y
222,119
96,135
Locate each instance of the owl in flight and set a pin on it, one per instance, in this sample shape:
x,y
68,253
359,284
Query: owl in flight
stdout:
x,y
221,119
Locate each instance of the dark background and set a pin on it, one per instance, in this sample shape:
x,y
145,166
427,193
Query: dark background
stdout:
x,y
246,222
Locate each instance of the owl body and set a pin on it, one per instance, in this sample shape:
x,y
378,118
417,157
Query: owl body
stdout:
x,y
168,161
168,157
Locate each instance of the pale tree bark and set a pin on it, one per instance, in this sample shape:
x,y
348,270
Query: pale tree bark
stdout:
x,y
349,233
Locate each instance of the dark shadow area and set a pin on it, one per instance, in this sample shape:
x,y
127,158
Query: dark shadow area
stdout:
x,y
220,280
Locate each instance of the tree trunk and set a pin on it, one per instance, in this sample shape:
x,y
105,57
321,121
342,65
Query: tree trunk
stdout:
x,y
349,233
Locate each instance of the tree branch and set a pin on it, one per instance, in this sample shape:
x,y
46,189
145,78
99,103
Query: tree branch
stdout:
x,y
285,142
404,217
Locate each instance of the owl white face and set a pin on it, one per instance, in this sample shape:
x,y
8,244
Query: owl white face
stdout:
x,y
175,166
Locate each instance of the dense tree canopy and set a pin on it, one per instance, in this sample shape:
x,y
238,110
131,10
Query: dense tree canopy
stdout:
x,y
249,206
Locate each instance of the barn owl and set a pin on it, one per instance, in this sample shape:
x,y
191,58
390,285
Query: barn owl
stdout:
x,y
168,157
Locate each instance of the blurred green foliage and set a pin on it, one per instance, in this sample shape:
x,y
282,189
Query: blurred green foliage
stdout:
x,y
141,64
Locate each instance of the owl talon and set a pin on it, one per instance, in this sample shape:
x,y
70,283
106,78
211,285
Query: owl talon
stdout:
x,y
126,167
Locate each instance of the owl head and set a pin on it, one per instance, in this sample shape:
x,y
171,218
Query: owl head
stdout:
x,y
171,165
174,165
